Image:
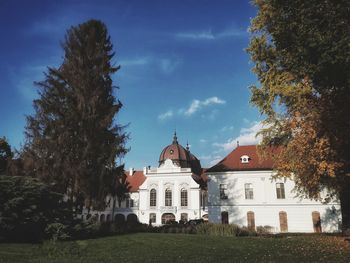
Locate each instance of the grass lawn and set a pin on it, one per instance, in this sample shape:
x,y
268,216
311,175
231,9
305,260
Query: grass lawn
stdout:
x,y
147,247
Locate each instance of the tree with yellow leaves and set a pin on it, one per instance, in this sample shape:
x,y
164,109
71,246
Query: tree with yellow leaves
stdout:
x,y
301,52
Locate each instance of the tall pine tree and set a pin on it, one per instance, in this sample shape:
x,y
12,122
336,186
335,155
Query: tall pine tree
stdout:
x,y
72,140
5,155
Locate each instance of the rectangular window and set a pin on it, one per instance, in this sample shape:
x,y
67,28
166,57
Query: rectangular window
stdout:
x,y
249,194
280,191
223,191
184,198
129,202
204,199
152,217
153,198
168,197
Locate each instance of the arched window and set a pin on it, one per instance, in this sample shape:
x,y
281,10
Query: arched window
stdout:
x,y
184,217
316,221
95,217
132,218
184,200
119,219
283,221
153,198
251,220
108,218
102,218
168,197
167,218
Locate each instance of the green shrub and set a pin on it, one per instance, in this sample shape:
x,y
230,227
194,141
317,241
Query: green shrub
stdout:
x,y
264,230
27,207
245,231
218,229
57,231
223,230
86,229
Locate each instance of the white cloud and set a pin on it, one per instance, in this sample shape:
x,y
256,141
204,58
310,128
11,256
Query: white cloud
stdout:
x,y
232,32
213,100
246,121
24,80
211,116
227,128
206,35
166,115
196,105
215,160
135,61
202,140
247,136
210,160
205,157
164,65
169,65
54,26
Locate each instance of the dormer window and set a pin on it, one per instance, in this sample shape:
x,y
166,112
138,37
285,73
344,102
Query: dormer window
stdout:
x,y
245,159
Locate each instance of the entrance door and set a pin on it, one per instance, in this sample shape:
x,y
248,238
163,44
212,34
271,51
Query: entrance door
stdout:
x,y
224,217
167,218
316,221
251,220
283,221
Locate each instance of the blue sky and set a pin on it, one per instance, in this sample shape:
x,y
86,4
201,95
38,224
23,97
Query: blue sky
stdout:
x,y
183,66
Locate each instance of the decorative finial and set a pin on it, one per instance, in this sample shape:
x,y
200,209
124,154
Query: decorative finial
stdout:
x,y
175,138
237,143
187,147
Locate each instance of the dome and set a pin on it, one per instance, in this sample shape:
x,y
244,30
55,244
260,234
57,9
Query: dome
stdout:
x,y
180,156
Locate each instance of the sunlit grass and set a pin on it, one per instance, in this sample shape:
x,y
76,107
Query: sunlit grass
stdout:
x,y
148,247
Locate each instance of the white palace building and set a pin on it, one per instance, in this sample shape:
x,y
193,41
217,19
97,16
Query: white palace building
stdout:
x,y
239,189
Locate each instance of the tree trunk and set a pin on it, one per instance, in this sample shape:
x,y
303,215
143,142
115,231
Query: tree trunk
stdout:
x,y
113,208
344,196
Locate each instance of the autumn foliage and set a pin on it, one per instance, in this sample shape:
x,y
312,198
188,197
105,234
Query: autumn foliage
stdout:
x,y
301,54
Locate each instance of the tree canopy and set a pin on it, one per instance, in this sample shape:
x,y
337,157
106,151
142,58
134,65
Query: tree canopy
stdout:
x,y
301,53
73,141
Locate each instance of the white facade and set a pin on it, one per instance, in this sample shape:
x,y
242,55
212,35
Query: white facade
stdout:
x,y
166,177
177,180
266,203
240,190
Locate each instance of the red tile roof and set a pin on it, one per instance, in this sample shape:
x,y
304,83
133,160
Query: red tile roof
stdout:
x,y
232,161
134,181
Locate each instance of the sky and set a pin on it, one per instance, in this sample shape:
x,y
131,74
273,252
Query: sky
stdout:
x,y
183,67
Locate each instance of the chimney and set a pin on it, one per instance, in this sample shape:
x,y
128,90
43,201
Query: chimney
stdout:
x,y
237,143
131,171
144,170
